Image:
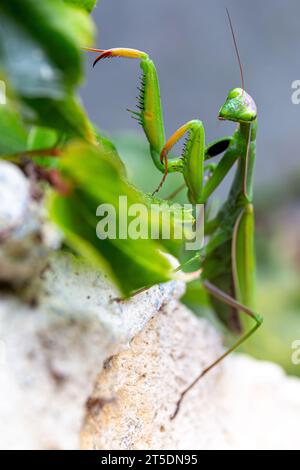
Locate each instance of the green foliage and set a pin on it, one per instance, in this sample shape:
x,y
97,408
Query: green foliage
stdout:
x,y
40,138
133,149
53,32
86,4
105,145
98,179
13,133
41,59
65,115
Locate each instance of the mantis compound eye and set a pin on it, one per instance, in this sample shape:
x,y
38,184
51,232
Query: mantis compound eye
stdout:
x,y
238,107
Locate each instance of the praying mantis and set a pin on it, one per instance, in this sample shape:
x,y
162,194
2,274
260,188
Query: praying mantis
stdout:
x,y
228,258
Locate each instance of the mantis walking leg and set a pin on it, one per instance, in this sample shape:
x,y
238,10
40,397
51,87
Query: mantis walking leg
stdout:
x,y
213,290
242,258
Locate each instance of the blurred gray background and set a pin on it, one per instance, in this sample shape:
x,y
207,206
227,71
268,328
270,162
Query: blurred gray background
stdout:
x,y
191,45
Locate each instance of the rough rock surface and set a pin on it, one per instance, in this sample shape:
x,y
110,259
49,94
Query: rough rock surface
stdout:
x,y
244,404
52,351
25,237
56,394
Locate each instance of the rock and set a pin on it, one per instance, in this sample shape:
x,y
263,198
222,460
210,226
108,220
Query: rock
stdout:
x,y
25,236
14,196
138,389
243,404
51,354
81,370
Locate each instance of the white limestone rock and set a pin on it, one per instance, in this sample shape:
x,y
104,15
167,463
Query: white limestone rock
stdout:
x,y
243,404
25,236
50,355
81,370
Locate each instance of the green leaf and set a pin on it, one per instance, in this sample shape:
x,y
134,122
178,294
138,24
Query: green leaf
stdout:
x,y
97,179
86,4
109,148
41,45
13,134
40,138
64,115
134,152
41,59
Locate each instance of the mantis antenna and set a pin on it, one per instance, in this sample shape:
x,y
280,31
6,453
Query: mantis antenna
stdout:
x,y
236,49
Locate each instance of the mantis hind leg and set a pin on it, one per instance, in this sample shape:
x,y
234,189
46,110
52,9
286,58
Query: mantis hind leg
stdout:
x,y
227,299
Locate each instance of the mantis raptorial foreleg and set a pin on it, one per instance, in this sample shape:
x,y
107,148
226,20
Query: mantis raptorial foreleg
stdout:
x,y
192,157
150,116
150,110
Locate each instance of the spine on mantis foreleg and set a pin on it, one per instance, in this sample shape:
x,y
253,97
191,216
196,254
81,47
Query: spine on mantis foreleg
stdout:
x,y
151,115
193,160
149,103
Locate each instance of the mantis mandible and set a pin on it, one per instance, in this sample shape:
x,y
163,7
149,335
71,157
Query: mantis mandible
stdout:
x,y
228,258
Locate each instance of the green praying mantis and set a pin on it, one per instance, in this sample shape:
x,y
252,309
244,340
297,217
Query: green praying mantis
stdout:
x,y
227,259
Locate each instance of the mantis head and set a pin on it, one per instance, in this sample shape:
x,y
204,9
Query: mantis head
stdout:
x,y
238,107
